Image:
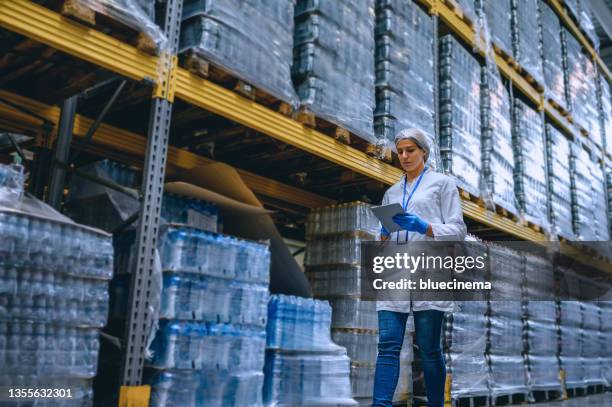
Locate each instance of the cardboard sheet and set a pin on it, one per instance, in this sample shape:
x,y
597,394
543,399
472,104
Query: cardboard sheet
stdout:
x,y
286,277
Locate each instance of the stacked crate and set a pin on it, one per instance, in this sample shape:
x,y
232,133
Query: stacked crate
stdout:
x,y
404,70
498,16
540,326
504,317
304,367
253,40
53,296
460,144
530,181
552,54
333,256
333,62
525,37
497,152
559,182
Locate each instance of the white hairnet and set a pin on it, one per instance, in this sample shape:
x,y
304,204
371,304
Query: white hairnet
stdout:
x,y
415,135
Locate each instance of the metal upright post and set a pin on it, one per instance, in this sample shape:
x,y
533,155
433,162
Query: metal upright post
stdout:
x,y
138,318
62,151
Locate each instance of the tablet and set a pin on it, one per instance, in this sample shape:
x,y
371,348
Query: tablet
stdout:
x,y
386,213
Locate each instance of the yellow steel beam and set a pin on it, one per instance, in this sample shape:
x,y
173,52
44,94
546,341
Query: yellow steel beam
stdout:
x,y
229,104
113,138
50,28
129,143
570,25
492,219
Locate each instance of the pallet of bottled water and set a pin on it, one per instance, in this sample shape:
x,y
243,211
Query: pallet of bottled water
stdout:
x,y
342,219
194,388
190,211
210,345
303,365
250,39
184,249
53,294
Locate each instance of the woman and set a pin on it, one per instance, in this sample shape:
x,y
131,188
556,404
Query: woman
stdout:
x,y
432,212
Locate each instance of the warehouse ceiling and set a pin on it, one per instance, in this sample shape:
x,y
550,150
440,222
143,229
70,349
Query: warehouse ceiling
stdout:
x,y
602,10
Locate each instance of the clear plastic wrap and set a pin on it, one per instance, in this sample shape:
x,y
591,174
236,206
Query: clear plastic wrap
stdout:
x,y
252,39
559,182
609,193
525,34
211,346
12,179
582,202
333,250
190,211
337,281
465,342
303,365
508,373
96,205
460,127
497,152
606,341
498,15
344,218
552,54
540,329
571,342
192,388
585,20
580,77
600,222
591,325
606,114
360,346
404,72
588,104
306,379
189,250
188,296
333,62
135,14
530,181
299,324
53,293
353,313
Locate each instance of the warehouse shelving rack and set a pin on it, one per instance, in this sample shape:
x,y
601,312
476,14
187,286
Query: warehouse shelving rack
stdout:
x,y
169,82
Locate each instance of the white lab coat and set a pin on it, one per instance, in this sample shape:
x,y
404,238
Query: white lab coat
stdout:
x,y
436,201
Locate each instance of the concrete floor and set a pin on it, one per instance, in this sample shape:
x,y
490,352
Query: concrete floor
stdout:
x,y
594,400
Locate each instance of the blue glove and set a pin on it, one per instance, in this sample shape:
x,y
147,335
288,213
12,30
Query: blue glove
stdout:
x,y
384,231
411,223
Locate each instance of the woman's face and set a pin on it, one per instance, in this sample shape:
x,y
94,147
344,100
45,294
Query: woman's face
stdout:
x,y
410,155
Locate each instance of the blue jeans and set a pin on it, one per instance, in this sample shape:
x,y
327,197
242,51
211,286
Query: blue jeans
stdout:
x,y
428,328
